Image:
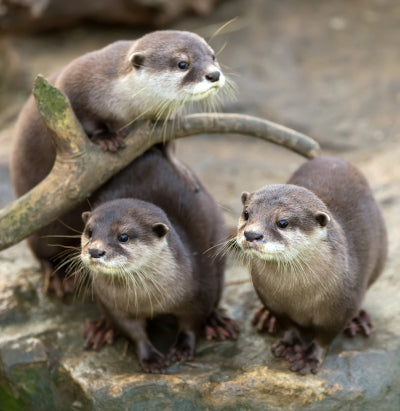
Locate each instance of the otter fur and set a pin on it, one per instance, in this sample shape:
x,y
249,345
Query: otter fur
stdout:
x,y
149,247
314,246
148,78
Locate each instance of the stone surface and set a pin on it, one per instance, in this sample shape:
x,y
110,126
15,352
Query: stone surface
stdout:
x,y
329,69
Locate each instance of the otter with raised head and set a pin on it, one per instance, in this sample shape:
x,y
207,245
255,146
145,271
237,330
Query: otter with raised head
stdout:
x,y
149,78
314,245
146,245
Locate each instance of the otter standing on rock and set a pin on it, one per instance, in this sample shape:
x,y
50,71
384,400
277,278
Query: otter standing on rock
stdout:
x,y
146,245
314,245
149,78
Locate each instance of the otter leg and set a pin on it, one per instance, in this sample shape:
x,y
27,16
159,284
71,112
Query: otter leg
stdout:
x,y
265,320
288,345
98,333
102,135
308,359
151,360
184,347
220,328
107,140
185,343
304,358
56,281
361,324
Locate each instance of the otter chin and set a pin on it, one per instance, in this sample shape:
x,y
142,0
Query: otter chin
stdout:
x,y
314,246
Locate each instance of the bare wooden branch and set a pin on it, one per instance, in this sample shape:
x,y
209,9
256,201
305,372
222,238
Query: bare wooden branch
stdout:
x,y
81,167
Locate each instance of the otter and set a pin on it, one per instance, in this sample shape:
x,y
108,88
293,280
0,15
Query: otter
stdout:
x,y
146,245
148,78
314,246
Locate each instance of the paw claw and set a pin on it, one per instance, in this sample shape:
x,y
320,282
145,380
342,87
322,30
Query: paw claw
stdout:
x,y
98,333
220,328
264,320
361,324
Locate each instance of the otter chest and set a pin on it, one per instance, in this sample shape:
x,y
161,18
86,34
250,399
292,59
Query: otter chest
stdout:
x,y
284,293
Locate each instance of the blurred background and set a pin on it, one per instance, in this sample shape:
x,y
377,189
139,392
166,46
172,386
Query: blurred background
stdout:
x,y
329,69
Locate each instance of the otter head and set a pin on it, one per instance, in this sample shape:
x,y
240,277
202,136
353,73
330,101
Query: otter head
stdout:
x,y
170,68
123,236
282,222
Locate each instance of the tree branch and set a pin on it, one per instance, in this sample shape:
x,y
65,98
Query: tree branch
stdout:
x,y
81,166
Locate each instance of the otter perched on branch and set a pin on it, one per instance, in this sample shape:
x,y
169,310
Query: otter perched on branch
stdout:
x,y
81,166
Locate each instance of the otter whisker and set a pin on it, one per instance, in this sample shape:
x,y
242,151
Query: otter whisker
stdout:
x,y
216,32
123,127
60,236
221,49
68,226
222,247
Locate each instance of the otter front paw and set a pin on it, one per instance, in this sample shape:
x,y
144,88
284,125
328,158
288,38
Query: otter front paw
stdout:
x,y
220,328
108,141
304,363
98,333
264,320
153,362
183,348
361,324
303,360
57,280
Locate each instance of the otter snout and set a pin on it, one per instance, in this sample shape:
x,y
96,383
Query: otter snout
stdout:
x,y
96,253
252,236
214,76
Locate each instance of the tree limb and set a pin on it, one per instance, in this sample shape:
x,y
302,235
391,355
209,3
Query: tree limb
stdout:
x,y
81,166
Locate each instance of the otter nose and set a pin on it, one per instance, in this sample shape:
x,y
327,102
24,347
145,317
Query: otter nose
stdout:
x,y
252,236
213,77
96,253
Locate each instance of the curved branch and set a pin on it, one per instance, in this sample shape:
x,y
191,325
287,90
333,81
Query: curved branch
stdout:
x,y
81,166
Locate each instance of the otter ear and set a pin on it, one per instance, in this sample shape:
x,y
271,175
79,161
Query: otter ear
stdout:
x,y
245,196
160,229
322,218
137,59
85,216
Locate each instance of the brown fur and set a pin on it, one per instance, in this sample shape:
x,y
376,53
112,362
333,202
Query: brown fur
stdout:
x,y
336,243
109,88
191,279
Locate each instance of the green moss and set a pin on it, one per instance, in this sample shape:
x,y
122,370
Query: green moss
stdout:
x,y
52,103
11,400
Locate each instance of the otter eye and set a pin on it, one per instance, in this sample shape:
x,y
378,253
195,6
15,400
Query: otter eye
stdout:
x,y
183,65
282,223
246,215
123,238
89,233
213,58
